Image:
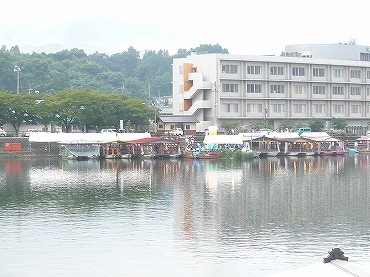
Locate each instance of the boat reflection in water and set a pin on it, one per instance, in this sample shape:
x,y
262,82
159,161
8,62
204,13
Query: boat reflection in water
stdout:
x,y
220,215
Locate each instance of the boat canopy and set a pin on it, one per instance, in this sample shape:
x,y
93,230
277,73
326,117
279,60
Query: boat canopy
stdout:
x,y
85,138
223,139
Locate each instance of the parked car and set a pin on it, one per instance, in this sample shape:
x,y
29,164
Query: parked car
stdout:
x,y
108,131
2,133
29,131
265,131
302,130
176,132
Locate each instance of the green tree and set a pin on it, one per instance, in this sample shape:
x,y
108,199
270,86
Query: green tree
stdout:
x,y
233,127
135,110
89,109
67,107
288,124
99,110
7,76
156,64
19,109
208,49
43,113
317,124
338,123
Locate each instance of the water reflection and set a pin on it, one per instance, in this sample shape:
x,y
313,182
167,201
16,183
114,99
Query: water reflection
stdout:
x,y
209,213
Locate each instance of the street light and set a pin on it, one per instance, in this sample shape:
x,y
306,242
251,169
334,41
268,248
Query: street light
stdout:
x,y
17,69
266,111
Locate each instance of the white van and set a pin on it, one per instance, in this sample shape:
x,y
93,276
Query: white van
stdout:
x,y
108,131
264,131
29,131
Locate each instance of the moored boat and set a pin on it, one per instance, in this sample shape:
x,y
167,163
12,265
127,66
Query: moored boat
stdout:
x,y
79,151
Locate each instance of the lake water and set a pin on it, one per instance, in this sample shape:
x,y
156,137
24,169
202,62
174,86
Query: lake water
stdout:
x,y
181,217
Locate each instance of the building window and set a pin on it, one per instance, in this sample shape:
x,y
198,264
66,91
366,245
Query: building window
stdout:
x,y
318,108
338,90
355,108
355,90
230,108
298,71
368,74
299,108
365,57
181,69
338,108
181,88
254,108
368,90
172,127
254,88
355,73
277,88
299,89
277,70
187,127
338,73
254,69
278,108
160,126
318,72
229,68
234,69
230,87
318,90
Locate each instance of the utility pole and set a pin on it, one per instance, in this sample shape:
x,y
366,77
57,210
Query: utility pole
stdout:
x,y
149,91
17,69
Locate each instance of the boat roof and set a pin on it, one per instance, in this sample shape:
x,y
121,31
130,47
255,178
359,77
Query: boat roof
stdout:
x,y
223,139
81,138
290,136
250,136
154,140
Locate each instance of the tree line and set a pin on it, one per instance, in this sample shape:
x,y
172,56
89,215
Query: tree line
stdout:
x,y
130,72
85,109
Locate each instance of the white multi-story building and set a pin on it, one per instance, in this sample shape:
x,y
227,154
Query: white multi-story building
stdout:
x,y
337,51
218,88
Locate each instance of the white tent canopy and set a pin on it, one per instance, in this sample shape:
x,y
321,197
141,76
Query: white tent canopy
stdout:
x,y
317,136
250,136
223,139
85,137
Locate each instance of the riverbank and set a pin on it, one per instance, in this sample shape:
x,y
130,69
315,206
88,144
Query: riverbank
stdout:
x,y
21,147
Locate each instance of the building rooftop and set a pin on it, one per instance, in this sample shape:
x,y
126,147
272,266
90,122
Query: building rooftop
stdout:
x,y
178,118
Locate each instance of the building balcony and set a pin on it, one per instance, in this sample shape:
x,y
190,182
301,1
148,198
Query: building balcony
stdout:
x,y
197,105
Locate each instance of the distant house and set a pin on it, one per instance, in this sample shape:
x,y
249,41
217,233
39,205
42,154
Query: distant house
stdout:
x,y
167,123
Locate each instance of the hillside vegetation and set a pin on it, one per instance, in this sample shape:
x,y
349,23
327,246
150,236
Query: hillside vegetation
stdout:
x,y
129,73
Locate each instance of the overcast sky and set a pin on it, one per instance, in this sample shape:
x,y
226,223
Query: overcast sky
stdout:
x,y
243,27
